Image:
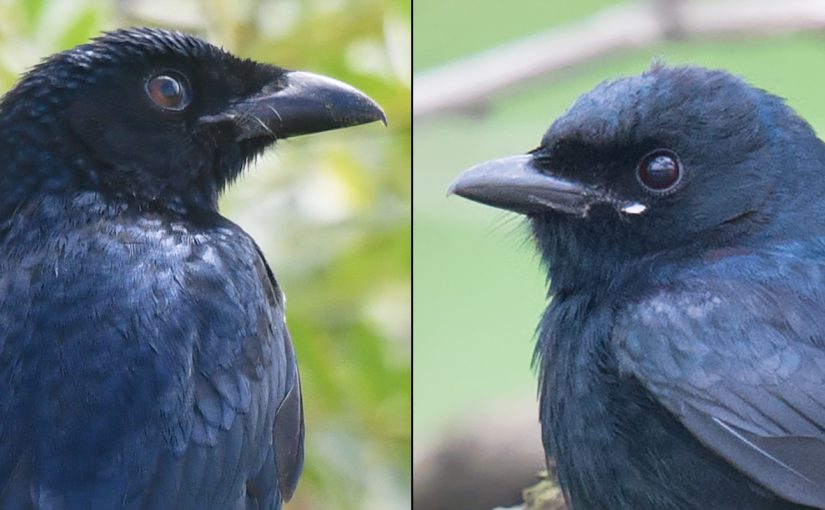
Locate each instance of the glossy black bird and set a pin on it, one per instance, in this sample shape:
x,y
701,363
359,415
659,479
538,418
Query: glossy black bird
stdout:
x,y
681,218
144,357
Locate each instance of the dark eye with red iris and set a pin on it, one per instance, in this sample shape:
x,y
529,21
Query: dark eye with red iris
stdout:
x,y
168,91
660,171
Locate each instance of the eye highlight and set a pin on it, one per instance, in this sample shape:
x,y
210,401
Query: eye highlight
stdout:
x,y
660,171
168,91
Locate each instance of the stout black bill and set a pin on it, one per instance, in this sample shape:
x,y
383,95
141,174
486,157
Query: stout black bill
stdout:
x,y
515,184
301,103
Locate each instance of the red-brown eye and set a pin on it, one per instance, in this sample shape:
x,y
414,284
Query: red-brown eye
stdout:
x,y
168,92
660,171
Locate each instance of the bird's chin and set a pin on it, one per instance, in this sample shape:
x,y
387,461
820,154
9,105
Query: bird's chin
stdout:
x,y
553,217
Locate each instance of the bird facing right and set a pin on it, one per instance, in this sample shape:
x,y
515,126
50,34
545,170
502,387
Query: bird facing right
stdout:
x,y
145,361
681,218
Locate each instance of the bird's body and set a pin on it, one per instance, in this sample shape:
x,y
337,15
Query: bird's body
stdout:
x,y
682,356
622,447
144,357
161,382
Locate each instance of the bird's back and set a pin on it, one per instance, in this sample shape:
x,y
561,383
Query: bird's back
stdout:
x,y
143,358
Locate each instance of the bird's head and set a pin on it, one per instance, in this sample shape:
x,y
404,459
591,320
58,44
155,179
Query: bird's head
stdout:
x,y
162,115
675,158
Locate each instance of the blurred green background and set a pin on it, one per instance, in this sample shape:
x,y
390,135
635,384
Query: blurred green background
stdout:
x,y
332,213
478,291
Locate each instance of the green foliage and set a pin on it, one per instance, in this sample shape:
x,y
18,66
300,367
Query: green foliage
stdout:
x,y
492,23
332,213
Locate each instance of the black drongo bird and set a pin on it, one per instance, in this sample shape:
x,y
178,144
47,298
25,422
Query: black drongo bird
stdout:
x,y
144,357
681,218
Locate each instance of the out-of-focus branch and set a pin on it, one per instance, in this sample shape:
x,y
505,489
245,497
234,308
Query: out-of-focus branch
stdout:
x,y
469,82
483,460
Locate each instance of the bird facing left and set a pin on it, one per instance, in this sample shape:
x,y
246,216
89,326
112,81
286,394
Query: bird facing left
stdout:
x,y
144,356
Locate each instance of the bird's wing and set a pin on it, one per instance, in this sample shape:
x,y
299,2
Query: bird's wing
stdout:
x,y
742,366
285,460
147,385
248,419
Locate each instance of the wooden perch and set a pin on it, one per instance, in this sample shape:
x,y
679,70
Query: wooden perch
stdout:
x,y
473,80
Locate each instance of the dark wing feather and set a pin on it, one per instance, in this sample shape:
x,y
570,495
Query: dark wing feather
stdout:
x,y
286,458
742,365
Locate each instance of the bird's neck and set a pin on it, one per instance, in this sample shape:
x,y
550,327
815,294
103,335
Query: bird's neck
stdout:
x,y
45,158
577,260
30,163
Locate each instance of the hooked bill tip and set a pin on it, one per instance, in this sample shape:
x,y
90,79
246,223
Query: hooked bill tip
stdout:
x,y
451,189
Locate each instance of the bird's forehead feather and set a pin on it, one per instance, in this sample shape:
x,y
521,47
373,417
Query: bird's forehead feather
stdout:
x,y
628,109
604,114
154,40
134,45
133,48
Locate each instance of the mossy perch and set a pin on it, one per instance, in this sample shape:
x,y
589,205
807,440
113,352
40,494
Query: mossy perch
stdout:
x,y
544,495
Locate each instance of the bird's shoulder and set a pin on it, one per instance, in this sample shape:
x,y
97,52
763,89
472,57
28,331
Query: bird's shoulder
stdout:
x,y
735,348
726,289
738,305
118,244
